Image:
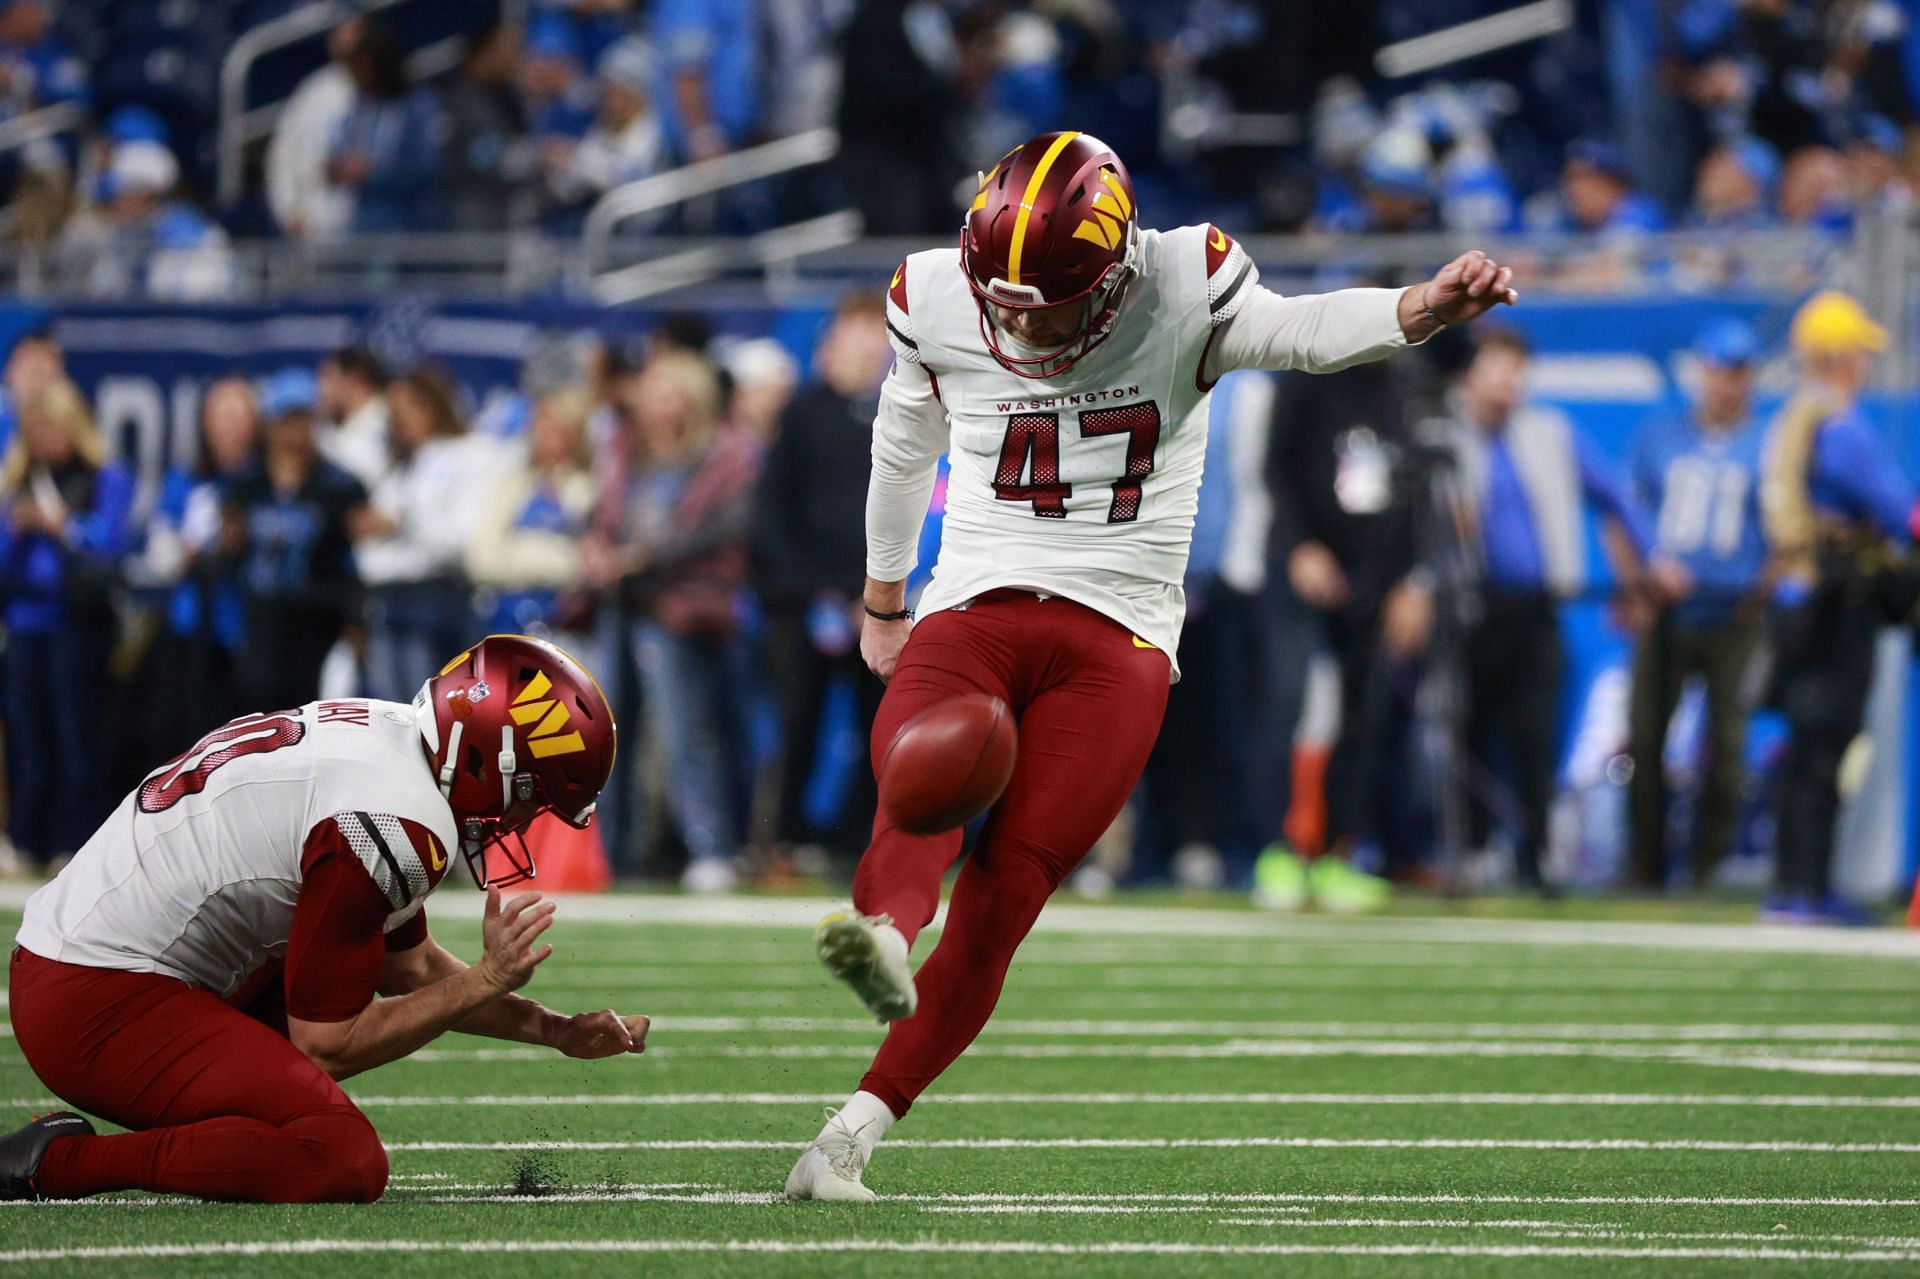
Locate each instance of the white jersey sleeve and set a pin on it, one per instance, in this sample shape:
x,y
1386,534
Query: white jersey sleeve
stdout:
x,y
1314,333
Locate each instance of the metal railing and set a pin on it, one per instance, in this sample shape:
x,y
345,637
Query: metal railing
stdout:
x,y
661,191
38,125
774,252
240,126
826,255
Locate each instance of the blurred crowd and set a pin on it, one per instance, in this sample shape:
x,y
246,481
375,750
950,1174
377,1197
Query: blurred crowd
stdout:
x,y
687,514
1643,115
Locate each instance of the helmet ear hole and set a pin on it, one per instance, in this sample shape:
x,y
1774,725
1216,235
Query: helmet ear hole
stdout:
x,y
476,760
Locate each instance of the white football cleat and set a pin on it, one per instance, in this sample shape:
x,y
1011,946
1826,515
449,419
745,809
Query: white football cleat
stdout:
x,y
868,953
829,1169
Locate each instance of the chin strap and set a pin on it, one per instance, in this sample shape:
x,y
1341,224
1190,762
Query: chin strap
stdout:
x,y
447,760
509,764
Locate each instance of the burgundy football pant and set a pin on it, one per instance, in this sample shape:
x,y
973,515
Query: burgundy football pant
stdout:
x,y
224,1107
1088,698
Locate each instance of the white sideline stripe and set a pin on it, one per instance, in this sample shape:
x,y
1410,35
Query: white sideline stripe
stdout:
x,y
1756,1101
767,981
1218,1143
1876,1032
1068,917
1574,1230
310,1247
1264,1202
1834,1061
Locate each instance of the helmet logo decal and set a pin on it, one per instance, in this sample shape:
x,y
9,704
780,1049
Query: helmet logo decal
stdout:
x,y
455,664
1113,211
1032,193
532,704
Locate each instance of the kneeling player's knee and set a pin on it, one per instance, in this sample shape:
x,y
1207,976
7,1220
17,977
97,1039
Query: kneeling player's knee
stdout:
x,y
353,1162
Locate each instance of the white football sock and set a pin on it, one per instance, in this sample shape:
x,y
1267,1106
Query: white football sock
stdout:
x,y
866,1117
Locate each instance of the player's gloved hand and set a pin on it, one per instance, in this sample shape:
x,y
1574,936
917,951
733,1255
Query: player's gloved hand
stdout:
x,y
1466,289
509,935
602,1034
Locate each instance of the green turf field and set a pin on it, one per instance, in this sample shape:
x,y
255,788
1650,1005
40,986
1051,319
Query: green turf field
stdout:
x,y
1165,1091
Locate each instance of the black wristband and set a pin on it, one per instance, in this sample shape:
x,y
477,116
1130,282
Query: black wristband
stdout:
x,y
901,616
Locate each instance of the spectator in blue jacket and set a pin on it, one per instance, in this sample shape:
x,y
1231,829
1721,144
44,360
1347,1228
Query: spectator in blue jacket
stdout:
x,y
711,48
389,148
63,529
284,520
1597,194
143,238
1699,471
1525,475
203,611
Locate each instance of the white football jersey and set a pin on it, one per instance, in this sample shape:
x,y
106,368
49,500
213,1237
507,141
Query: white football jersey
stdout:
x,y
196,873
1084,484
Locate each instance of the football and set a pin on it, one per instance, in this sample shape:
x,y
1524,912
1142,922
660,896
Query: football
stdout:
x,y
948,764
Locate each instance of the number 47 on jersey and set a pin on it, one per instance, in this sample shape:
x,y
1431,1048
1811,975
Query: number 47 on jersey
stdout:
x,y
1032,449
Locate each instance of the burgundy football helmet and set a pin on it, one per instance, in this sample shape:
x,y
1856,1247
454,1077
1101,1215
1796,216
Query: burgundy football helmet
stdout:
x,y
1051,225
515,728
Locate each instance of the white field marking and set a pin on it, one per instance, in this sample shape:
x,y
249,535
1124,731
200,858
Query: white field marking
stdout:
x,y
1224,925
1047,975
1875,1032
494,1188
1742,1100
1691,1004
1218,1143
496,1195
1306,1222
1830,1060
312,1247
1580,1230
1265,1202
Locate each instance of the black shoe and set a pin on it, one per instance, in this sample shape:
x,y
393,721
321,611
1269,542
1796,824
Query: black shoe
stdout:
x,y
21,1152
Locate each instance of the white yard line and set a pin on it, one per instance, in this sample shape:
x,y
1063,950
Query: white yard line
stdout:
x,y
312,1247
1875,1032
1224,926
1263,1203
1218,1143
1739,1100
1574,1230
1402,976
1828,1060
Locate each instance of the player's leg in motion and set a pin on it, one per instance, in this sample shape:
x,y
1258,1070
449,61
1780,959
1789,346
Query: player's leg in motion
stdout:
x,y
1089,700
223,1107
896,888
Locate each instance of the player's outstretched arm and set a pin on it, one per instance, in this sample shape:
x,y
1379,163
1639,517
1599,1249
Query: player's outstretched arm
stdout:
x,y
387,1029
1327,332
514,1017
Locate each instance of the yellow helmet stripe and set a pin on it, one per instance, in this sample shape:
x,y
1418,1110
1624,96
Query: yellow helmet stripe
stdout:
x,y
1026,202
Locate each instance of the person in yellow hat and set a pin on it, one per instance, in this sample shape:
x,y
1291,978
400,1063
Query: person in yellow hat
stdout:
x,y
1837,511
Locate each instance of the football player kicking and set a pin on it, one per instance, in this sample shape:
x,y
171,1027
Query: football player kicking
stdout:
x,y
1062,356
205,968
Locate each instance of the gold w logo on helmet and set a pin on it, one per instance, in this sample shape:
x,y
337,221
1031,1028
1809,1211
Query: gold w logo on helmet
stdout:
x,y
548,717
1111,211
